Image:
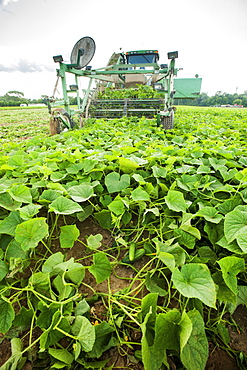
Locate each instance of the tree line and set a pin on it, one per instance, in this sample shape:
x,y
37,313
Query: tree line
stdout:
x,y
15,98
219,99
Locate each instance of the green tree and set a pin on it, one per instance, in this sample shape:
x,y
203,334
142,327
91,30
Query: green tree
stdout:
x,y
15,94
237,102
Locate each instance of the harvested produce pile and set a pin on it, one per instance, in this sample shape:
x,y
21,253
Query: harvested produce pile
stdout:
x,y
123,246
116,103
141,92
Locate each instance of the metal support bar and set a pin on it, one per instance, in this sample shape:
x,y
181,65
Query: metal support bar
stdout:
x,y
85,99
121,69
62,74
125,107
77,92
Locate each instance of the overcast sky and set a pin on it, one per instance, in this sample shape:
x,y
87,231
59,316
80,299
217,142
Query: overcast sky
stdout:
x,y
210,36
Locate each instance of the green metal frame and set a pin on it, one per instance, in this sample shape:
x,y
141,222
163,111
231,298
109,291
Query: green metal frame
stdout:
x,y
165,76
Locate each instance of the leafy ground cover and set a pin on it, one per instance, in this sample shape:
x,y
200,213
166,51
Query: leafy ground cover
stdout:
x,y
124,247
22,123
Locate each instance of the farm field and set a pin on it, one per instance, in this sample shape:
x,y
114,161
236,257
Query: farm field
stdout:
x,y
18,124
123,246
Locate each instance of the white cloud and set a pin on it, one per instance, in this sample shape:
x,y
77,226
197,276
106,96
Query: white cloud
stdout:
x,y
25,66
6,2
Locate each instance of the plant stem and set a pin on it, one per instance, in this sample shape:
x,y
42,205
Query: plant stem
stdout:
x,y
140,271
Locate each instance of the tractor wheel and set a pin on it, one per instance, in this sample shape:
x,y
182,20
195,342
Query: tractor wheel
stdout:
x,y
56,124
167,122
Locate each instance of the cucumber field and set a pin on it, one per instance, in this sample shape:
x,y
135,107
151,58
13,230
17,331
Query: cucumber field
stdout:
x,y
124,246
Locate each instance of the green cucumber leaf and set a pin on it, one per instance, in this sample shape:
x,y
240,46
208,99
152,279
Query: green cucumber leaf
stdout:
x,y
75,273
7,315
185,329
23,318
140,195
69,234
20,193
3,270
155,285
81,193
224,294
230,267
85,213
64,206
7,202
194,281
84,332
62,355
48,196
235,225
29,211
104,339
152,355
210,214
127,165
168,259
82,307
104,219
101,268
148,306
116,183
117,206
175,201
9,224
30,233
52,261
94,241
194,354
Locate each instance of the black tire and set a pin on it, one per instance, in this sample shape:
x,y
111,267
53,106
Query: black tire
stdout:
x,y
61,126
168,122
56,124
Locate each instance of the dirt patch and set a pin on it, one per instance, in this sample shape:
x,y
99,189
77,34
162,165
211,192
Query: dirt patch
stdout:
x,y
219,359
5,349
122,360
238,333
238,342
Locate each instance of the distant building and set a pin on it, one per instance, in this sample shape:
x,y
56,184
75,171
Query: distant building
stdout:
x,y
231,106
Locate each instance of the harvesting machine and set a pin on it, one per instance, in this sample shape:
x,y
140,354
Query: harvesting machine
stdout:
x,y
123,71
